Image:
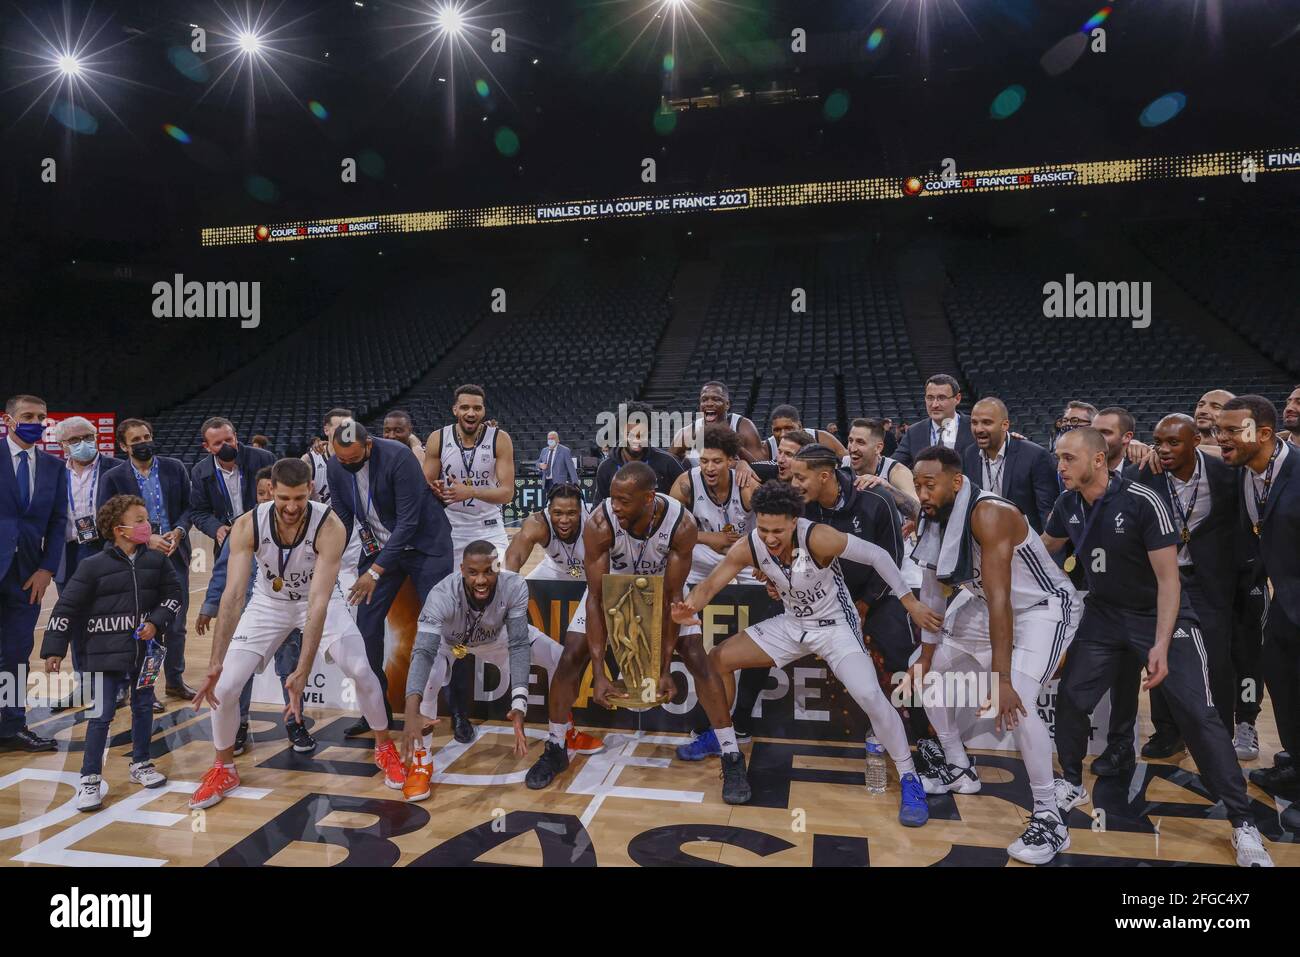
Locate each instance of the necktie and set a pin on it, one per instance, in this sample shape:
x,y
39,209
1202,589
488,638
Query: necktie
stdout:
x,y
24,481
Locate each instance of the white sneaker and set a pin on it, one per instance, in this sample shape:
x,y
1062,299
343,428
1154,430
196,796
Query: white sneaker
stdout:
x,y
950,778
1249,846
146,775
91,791
1069,796
1045,837
1246,742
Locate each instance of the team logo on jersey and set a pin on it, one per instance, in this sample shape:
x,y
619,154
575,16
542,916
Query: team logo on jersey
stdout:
x,y
1074,519
1180,633
1119,524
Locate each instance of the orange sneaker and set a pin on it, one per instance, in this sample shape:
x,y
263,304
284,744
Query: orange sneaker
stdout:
x,y
390,762
215,785
579,742
418,775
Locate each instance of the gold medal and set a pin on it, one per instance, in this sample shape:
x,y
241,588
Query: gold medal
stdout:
x,y
1187,536
277,583
729,528
1255,526
575,571
1070,563
460,651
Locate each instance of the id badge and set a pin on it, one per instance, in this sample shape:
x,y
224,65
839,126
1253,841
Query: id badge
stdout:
x,y
369,546
153,662
86,531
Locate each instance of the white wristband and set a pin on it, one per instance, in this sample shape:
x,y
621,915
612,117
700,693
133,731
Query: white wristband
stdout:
x,y
519,700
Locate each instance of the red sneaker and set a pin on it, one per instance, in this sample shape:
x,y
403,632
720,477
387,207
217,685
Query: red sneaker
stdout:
x,y
390,762
418,775
579,742
215,785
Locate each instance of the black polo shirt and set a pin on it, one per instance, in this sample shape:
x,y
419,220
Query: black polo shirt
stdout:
x,y
1127,523
665,466
870,515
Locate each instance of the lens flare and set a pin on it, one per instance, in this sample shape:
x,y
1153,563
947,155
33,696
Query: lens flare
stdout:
x,y
876,38
1096,20
507,142
176,133
1007,102
1162,109
317,110
836,105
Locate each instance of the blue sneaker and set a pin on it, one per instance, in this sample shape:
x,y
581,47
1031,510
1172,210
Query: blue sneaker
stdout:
x,y
913,811
702,747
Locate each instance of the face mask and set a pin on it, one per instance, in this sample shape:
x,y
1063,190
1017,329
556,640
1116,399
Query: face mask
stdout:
x,y
83,451
357,466
29,432
551,443
140,532
142,451
228,453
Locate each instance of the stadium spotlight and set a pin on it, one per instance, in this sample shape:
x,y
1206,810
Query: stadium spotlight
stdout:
x,y
250,43
69,65
449,19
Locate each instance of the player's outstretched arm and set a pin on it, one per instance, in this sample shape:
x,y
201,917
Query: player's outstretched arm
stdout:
x,y
532,532
827,544
330,541
424,652
239,566
996,528
432,463
737,559
597,537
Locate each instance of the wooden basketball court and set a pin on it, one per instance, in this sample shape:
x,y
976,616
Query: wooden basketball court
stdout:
x,y
633,804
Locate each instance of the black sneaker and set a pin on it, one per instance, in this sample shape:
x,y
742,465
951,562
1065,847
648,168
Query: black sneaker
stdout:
x,y
302,741
1162,745
1116,759
357,730
929,757
743,732
241,738
554,760
735,784
461,729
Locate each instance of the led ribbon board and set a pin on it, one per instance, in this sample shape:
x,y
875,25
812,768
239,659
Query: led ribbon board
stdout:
x,y
1103,172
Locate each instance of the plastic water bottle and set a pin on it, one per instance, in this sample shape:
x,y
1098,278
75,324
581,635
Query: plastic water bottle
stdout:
x,y
877,767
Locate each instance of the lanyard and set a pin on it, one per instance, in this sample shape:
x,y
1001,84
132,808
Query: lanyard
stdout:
x,y
225,489
1261,501
649,533
467,455
1089,517
280,551
151,492
1185,519
356,497
988,473
94,484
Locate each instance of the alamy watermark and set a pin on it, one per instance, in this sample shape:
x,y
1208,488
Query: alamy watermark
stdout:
x,y
654,429
945,689
44,689
1100,300
208,300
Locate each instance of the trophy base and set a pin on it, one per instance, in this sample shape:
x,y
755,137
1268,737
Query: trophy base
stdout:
x,y
636,702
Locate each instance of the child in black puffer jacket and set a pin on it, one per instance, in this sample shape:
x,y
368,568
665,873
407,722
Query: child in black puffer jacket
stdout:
x,y
126,586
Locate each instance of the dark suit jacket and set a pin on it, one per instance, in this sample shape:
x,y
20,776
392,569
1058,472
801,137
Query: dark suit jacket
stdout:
x,y
32,539
176,489
209,507
401,496
917,440
1028,478
1279,558
562,469
1214,545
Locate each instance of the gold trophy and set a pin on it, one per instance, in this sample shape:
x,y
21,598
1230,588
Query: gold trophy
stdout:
x,y
633,606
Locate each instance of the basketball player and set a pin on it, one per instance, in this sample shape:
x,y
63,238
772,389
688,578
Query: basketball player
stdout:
x,y
867,457
399,427
557,530
802,559
315,457
785,418
471,466
483,610
298,545
1013,620
715,407
642,532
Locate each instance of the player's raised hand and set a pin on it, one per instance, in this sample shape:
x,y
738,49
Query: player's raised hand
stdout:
x,y
521,739
683,613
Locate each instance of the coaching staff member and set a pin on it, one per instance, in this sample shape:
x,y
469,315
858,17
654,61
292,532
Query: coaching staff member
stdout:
x,y
945,425
636,447
225,481
1127,542
402,529
33,517
1019,470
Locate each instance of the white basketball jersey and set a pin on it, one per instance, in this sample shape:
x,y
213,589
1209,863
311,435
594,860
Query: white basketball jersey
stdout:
x,y
320,483
814,597
733,423
567,557
478,466
448,613
712,517
630,555
1034,576
291,563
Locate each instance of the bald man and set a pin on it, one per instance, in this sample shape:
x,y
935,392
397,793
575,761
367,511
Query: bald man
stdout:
x,y
1206,414
1015,468
1200,496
